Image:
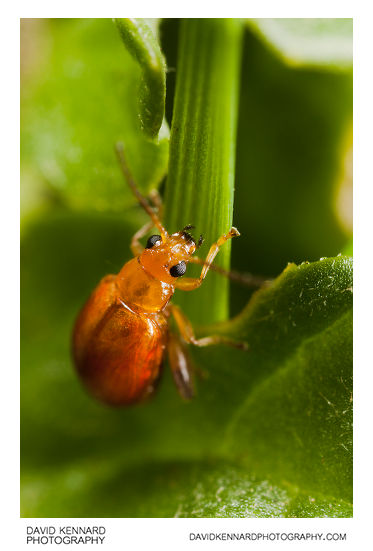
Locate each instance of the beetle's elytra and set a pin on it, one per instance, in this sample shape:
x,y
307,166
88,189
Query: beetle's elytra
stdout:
x,y
122,333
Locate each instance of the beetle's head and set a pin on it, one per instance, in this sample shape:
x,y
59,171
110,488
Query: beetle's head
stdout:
x,y
166,260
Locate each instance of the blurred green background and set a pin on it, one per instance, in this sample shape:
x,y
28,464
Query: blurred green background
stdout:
x,y
293,202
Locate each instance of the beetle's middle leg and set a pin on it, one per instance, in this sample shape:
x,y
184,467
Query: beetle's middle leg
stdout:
x,y
187,332
248,280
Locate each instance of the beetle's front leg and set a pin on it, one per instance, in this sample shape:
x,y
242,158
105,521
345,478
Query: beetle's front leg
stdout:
x,y
191,283
137,247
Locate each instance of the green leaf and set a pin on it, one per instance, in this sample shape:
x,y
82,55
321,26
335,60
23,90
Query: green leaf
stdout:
x,y
267,435
140,39
300,370
319,42
173,489
348,250
80,101
294,134
202,146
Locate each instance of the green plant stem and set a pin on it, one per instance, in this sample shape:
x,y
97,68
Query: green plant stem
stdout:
x,y
200,183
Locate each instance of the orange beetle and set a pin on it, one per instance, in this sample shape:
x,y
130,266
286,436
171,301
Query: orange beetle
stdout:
x,y
122,333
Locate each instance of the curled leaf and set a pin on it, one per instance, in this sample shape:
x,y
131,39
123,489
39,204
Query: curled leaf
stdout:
x,y
140,40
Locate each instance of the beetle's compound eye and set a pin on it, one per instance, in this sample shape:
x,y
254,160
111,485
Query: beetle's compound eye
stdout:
x,y
152,241
178,270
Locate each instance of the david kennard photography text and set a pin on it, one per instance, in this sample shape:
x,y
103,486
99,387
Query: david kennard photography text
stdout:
x,y
66,534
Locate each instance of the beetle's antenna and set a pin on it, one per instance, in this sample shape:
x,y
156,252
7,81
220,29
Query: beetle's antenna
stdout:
x,y
248,280
119,149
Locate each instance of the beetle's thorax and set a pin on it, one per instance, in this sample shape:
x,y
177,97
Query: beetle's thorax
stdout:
x,y
140,291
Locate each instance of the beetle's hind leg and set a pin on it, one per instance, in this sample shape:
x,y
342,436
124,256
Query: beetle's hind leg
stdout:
x,y
181,366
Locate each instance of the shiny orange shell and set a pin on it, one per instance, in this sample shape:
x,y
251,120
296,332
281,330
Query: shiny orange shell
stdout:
x,y
118,352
